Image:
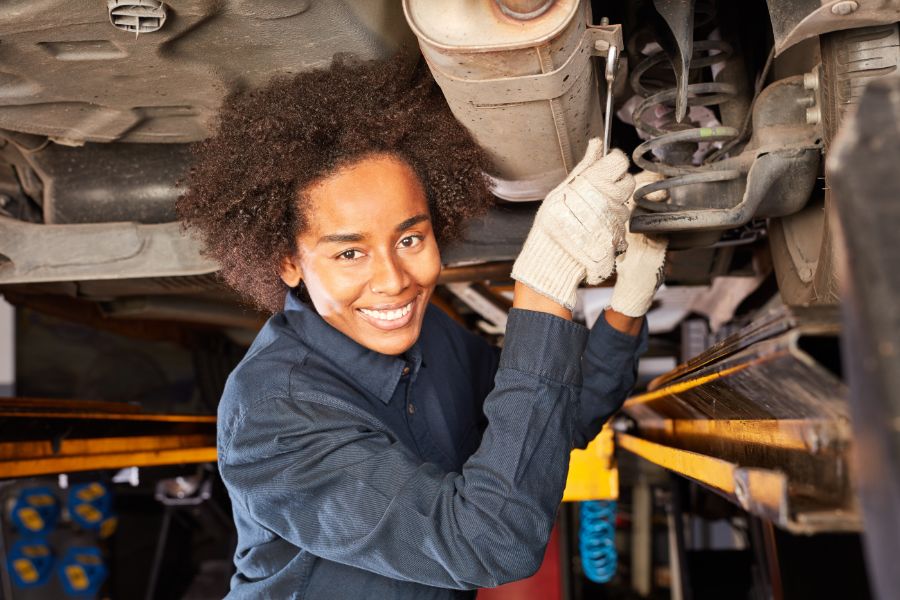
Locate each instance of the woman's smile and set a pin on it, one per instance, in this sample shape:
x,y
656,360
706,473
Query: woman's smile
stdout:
x,y
389,318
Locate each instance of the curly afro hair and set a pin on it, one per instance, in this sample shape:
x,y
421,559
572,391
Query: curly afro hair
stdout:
x,y
245,191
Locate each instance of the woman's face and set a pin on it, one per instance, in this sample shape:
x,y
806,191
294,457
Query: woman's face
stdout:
x,y
368,256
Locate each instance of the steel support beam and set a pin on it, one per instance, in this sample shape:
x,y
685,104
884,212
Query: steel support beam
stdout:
x,y
762,419
45,436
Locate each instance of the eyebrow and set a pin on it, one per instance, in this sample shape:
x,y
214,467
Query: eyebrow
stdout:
x,y
341,238
411,221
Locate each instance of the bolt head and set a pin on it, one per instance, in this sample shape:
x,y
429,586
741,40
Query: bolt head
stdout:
x,y
843,9
811,80
813,115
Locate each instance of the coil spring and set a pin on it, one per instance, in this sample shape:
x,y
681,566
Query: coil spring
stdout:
x,y
666,135
597,540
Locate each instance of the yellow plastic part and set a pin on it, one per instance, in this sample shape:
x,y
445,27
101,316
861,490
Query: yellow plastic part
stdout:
x,y
35,551
593,474
77,577
40,500
91,492
31,518
88,513
87,559
108,527
26,570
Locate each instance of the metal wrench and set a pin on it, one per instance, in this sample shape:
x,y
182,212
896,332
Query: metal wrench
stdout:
x,y
612,63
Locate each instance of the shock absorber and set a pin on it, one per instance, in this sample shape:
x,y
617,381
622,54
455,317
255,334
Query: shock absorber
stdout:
x,y
674,145
597,540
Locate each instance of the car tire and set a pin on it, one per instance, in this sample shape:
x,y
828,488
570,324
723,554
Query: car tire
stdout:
x,y
804,252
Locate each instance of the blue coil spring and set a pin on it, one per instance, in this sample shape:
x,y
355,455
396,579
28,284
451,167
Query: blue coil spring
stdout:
x,y
597,540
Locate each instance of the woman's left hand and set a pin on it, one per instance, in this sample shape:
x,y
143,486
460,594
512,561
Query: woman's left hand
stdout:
x,y
639,271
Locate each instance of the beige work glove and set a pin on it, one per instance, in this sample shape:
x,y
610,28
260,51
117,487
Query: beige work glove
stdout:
x,y
639,271
579,228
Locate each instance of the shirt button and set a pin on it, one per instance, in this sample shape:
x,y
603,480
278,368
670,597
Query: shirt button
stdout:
x,y
406,370
411,408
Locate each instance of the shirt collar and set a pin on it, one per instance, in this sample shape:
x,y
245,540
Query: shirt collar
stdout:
x,y
375,372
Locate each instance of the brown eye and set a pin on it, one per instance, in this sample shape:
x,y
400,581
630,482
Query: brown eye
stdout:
x,y
349,255
410,241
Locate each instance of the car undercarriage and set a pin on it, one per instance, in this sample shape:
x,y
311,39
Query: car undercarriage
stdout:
x,y
751,112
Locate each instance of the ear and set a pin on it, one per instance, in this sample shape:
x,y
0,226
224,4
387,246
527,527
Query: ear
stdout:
x,y
290,271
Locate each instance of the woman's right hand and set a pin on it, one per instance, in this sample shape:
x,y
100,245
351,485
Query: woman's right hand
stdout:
x,y
579,229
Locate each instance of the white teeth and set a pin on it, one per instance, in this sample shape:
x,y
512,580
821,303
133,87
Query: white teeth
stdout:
x,y
388,315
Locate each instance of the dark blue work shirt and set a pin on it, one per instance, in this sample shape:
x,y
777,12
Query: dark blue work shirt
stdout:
x,y
354,474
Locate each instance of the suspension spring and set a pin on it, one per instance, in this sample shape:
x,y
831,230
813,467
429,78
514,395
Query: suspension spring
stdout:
x,y
674,144
597,540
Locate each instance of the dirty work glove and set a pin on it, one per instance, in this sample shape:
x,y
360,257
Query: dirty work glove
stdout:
x,y
579,228
639,272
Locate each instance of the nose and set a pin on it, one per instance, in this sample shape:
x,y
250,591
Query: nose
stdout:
x,y
389,277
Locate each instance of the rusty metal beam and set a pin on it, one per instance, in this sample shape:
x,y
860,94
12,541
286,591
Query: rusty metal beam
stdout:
x,y
763,492
47,449
47,436
13,404
713,472
103,416
803,435
69,464
761,418
485,271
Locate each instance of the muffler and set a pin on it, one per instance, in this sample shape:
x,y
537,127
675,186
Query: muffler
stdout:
x,y
518,74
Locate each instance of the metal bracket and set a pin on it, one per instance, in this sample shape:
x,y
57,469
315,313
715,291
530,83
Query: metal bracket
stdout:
x,y
595,41
603,36
34,252
787,175
793,22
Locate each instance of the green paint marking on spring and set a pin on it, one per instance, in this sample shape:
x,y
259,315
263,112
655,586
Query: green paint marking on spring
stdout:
x,y
708,131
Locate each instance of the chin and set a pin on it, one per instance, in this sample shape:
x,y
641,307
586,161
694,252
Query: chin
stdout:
x,y
392,347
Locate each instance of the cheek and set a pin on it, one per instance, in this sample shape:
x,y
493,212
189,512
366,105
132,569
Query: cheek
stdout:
x,y
427,266
331,288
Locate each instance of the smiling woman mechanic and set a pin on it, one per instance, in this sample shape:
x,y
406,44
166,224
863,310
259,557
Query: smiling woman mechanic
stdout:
x,y
373,448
